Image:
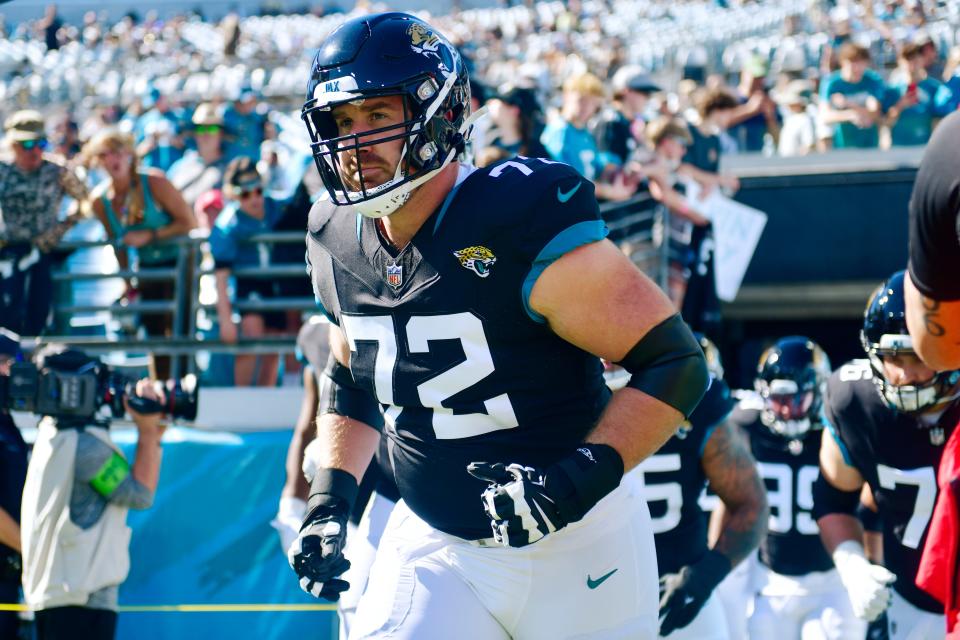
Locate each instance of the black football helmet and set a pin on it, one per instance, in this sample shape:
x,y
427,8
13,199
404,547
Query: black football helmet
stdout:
x,y
388,54
885,333
790,379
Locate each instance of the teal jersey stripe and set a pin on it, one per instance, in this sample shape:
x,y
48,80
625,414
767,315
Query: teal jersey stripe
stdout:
x,y
836,437
567,240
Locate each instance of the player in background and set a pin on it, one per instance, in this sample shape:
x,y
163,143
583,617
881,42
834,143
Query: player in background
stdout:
x,y
887,419
704,449
798,593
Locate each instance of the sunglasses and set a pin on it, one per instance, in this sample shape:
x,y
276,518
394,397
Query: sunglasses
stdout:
x,y
255,191
207,129
30,145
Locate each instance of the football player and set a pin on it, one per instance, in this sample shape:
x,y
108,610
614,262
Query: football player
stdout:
x,y
377,493
704,449
798,592
887,419
473,305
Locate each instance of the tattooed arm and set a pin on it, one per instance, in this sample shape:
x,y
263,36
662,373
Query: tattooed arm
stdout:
x,y
935,328
732,473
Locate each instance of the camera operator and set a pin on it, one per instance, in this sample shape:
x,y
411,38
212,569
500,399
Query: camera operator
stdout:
x,y
13,470
78,491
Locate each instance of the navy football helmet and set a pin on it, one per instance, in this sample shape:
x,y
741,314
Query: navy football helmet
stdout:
x,y
790,379
885,333
387,54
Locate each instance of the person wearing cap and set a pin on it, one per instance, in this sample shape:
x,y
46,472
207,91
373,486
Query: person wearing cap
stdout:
x,y
517,123
248,213
620,130
13,472
798,137
568,140
757,115
33,186
852,99
918,99
245,118
201,169
141,211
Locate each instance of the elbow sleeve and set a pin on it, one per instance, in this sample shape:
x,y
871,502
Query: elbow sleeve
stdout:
x,y
668,364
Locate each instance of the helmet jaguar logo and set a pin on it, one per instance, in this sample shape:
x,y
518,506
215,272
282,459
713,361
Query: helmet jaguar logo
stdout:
x,y
423,41
477,259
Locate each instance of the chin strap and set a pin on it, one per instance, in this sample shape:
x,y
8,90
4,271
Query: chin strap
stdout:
x,y
382,206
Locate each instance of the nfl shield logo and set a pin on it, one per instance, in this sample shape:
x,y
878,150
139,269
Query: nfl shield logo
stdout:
x,y
395,275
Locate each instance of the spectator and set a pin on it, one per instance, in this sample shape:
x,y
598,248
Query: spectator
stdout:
x,y
207,207
248,213
757,116
569,141
798,137
32,188
157,132
715,107
517,123
852,99
51,25
13,471
201,169
140,210
691,284
64,136
245,118
78,489
620,130
917,100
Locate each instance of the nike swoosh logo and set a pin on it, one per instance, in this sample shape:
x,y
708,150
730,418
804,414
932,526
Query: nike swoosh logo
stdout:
x,y
593,584
564,197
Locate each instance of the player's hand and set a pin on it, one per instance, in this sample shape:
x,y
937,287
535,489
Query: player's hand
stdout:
x,y
288,519
683,594
316,555
867,584
521,511
525,504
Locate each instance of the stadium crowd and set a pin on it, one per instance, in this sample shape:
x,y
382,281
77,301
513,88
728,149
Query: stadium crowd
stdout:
x,y
640,97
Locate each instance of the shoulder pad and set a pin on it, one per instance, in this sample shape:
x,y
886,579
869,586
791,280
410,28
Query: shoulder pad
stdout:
x,y
312,345
321,213
848,383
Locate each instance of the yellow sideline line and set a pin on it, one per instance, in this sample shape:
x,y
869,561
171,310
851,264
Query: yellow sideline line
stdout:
x,y
202,608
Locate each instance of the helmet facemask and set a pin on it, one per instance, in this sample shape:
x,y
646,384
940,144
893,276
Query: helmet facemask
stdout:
x,y
909,398
788,406
429,129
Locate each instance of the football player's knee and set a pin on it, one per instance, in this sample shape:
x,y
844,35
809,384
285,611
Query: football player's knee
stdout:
x,y
668,364
827,499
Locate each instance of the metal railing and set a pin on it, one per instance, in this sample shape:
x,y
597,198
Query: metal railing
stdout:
x,y
636,225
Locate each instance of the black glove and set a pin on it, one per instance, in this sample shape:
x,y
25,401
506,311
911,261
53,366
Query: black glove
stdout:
x,y
317,553
879,629
525,504
683,594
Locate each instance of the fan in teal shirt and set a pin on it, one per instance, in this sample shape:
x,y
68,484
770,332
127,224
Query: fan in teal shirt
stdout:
x,y
855,93
917,99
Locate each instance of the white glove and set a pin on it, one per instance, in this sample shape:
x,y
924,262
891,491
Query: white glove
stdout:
x,y
866,583
288,520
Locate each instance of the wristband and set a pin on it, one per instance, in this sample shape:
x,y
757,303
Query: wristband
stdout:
x,y
713,567
331,489
582,479
154,236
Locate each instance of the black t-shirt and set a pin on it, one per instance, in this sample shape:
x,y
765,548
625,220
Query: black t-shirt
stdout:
x,y
935,215
13,472
704,153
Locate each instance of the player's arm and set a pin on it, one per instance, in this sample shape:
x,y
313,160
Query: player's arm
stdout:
x,y
732,472
934,326
596,299
348,434
293,496
9,531
836,494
